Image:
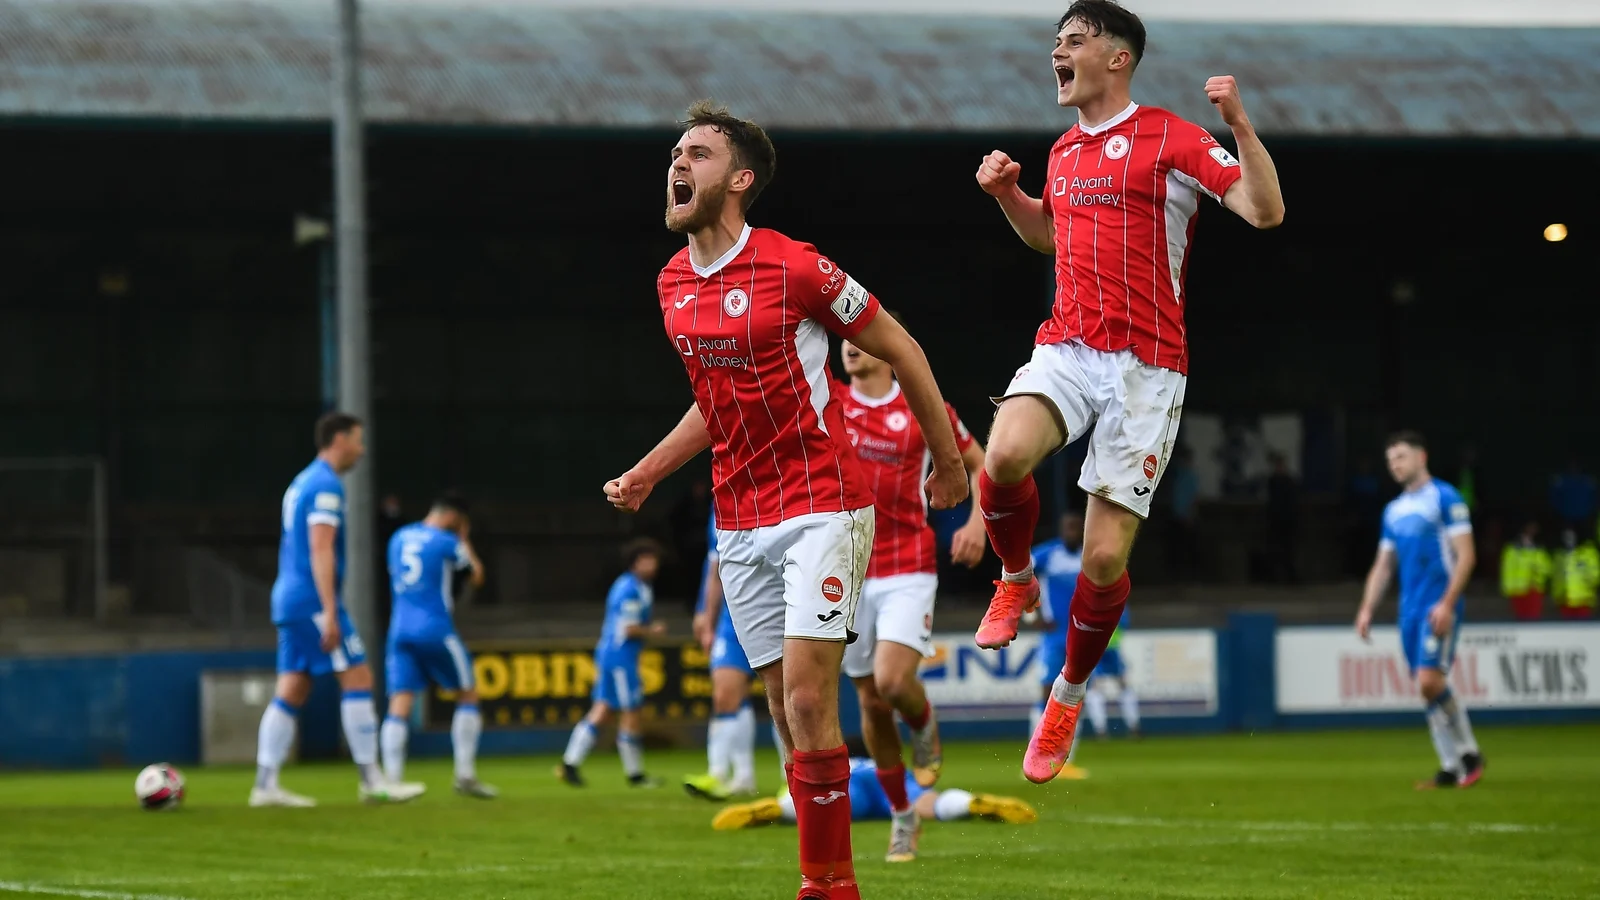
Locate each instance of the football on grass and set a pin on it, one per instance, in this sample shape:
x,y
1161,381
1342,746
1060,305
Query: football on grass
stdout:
x,y
159,786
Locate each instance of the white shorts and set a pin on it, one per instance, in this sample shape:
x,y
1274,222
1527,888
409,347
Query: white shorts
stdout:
x,y
1137,407
800,578
898,608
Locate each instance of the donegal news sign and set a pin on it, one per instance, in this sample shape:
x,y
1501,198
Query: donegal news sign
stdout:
x,y
549,683
1323,670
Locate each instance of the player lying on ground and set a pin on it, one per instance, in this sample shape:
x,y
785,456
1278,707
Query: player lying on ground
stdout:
x,y
895,618
616,662
731,735
1122,189
423,644
315,635
748,311
1427,534
868,802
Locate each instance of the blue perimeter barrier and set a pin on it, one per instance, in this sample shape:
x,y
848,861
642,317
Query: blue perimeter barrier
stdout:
x,y
134,709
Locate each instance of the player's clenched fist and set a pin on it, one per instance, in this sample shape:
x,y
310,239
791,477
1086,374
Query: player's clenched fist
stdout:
x,y
946,485
998,174
628,491
1223,92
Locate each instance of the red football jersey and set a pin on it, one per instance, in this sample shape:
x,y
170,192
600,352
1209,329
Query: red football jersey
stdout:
x,y
1124,197
751,329
896,459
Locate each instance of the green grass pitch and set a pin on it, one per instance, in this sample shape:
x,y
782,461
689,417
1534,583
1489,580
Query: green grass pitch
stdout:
x,y
1283,815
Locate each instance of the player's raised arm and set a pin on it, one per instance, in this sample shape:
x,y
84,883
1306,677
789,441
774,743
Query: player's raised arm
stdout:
x,y
1256,196
997,175
628,491
888,340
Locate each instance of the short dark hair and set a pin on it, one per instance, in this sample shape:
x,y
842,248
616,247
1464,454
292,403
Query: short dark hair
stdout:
x,y
332,424
1406,436
638,547
452,501
752,149
1108,18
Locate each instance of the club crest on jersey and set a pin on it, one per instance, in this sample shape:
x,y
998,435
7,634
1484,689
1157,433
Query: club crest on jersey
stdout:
x,y
832,589
1117,146
1223,157
896,421
1150,466
735,302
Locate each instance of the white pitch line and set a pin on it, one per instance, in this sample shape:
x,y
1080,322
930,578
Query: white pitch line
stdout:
x,y
1471,827
50,890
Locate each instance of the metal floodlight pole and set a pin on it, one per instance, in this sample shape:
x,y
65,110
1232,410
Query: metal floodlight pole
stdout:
x,y
355,390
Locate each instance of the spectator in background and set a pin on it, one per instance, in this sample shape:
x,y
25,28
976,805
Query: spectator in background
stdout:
x,y
1525,573
391,518
1577,576
1182,487
1283,518
1364,507
1572,496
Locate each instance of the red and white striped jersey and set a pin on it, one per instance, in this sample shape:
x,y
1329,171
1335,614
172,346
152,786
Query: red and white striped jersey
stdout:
x,y
1124,196
752,331
896,459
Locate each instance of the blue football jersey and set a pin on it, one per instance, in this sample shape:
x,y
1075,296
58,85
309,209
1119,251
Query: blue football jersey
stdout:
x,y
627,604
422,561
315,497
1057,569
1418,526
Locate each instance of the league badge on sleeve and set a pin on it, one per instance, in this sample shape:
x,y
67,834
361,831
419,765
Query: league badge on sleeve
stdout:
x,y
851,302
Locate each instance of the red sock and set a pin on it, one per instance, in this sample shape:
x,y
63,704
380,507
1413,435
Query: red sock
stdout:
x,y
1015,508
920,720
894,784
1095,613
821,792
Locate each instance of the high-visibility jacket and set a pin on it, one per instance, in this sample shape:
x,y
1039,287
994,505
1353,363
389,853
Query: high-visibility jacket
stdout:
x,y
1577,576
1524,569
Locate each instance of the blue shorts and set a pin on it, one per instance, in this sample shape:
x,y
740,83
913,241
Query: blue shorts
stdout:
x,y
1426,650
300,647
1053,653
444,661
726,653
867,799
1110,665
617,685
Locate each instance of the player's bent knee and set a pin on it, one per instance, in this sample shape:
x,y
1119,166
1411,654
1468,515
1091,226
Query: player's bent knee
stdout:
x,y
400,704
467,698
1430,682
1103,565
1007,464
294,688
356,678
807,707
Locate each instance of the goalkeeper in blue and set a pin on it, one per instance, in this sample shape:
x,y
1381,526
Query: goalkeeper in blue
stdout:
x,y
1427,535
424,558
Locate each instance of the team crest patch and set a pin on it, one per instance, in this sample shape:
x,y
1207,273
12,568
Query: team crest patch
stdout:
x,y
896,421
735,302
1117,146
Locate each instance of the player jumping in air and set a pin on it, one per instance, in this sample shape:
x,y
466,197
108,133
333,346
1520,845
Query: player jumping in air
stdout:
x,y
895,618
1427,534
423,644
869,802
1122,189
748,311
315,636
731,736
616,662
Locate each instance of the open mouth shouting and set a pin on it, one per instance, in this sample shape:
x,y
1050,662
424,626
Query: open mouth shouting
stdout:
x,y
682,194
1064,75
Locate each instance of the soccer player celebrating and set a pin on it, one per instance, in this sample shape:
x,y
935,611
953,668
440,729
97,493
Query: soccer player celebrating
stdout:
x,y
1121,193
616,661
748,310
314,631
1427,534
895,617
731,736
423,645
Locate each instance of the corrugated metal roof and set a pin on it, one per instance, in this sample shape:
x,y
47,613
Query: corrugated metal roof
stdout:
x,y
522,66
